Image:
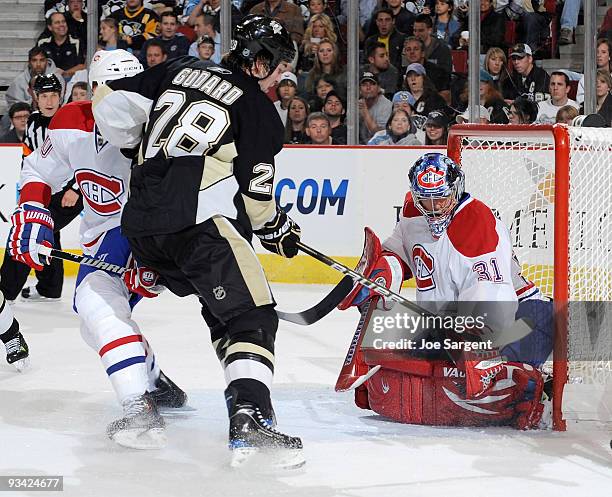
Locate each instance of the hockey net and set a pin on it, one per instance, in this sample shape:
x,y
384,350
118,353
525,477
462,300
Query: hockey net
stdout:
x,y
552,187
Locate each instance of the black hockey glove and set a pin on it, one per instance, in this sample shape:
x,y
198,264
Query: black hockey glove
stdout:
x,y
280,235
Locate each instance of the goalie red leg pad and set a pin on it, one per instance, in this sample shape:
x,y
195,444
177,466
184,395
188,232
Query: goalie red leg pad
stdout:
x,y
385,393
440,400
361,392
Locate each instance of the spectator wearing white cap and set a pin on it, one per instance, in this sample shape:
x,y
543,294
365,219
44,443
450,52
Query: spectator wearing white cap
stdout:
x,y
285,91
422,89
527,80
558,88
484,116
374,108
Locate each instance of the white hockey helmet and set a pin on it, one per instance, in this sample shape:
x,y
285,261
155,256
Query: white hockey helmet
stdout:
x,y
114,64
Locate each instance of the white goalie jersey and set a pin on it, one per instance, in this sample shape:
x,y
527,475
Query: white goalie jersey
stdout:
x,y
471,262
74,147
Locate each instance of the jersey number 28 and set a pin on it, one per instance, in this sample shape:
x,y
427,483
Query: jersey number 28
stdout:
x,y
181,129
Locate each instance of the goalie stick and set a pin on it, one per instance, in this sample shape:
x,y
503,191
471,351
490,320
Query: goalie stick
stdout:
x,y
361,279
347,379
304,318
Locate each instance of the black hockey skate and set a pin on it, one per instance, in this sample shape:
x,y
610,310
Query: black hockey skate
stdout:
x,y
17,352
168,394
141,427
250,434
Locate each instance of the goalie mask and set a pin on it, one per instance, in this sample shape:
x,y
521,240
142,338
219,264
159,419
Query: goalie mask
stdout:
x,y
437,185
110,65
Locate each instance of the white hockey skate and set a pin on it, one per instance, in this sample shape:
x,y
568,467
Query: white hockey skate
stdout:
x,y
141,427
17,353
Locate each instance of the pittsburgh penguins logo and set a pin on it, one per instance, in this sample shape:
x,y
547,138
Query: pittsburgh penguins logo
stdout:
x,y
276,27
101,192
131,28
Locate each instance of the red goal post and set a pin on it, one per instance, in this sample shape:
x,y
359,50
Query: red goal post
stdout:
x,y
541,181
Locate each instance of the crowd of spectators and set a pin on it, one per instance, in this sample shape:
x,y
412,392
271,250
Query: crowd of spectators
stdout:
x,y
409,90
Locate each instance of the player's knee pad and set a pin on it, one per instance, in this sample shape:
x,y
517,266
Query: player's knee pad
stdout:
x,y
258,318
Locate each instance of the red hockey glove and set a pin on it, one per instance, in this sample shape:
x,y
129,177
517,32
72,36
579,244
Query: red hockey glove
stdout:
x,y
143,281
32,227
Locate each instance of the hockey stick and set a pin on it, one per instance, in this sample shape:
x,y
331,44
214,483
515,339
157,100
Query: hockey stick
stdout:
x,y
321,309
306,317
347,380
81,259
361,279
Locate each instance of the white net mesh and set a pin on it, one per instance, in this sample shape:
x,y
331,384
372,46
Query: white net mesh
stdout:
x,y
590,242
514,175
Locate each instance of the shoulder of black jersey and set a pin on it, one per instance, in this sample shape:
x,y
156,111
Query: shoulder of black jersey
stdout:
x,y
472,230
75,115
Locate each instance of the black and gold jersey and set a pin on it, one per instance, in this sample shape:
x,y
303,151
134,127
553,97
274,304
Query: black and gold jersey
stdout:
x,y
207,149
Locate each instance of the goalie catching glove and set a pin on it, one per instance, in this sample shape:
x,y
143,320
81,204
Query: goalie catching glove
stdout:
x,y
32,226
280,235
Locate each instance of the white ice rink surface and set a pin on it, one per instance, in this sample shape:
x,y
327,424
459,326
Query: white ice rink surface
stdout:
x,y
53,419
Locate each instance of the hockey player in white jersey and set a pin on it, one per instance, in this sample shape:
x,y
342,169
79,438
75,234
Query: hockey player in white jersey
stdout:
x,y
460,255
103,301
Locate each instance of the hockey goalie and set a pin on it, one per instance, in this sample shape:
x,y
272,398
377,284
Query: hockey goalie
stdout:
x,y
472,357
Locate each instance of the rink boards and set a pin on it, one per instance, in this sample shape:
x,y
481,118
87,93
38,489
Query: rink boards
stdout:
x,y
331,192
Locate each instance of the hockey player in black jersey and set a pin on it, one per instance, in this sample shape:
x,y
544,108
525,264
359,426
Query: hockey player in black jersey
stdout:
x,y
202,187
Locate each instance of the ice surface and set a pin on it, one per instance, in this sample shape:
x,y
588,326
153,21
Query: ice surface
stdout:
x,y
53,418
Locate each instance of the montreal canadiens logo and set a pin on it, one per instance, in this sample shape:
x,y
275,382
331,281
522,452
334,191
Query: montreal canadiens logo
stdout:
x,y
102,192
430,178
424,266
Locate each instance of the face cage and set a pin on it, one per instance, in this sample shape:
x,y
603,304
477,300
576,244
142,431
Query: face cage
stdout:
x,y
438,220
